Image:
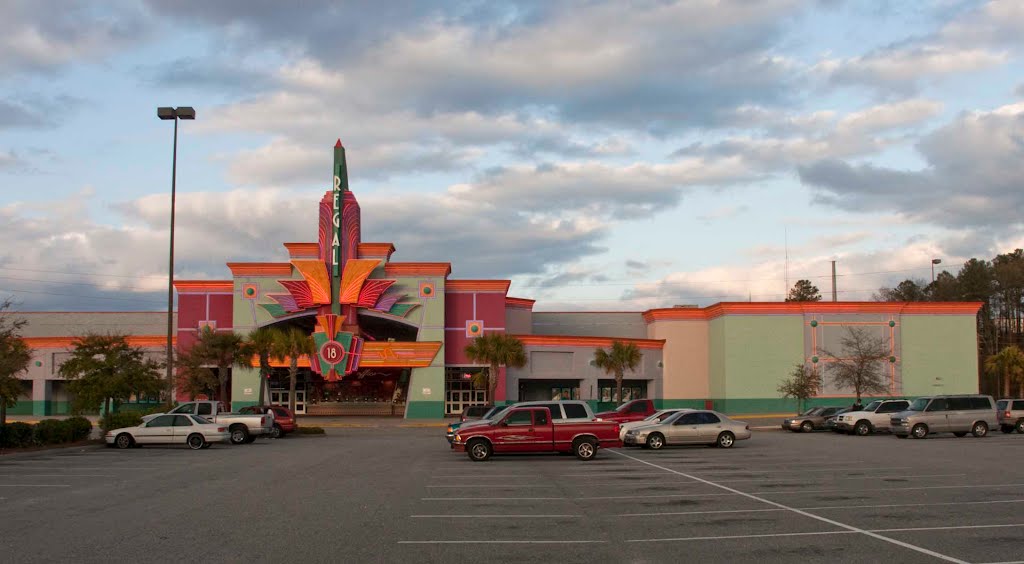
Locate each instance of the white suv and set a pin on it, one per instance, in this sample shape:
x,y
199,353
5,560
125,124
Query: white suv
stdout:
x,y
874,416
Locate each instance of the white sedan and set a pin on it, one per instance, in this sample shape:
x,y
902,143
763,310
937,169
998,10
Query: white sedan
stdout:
x,y
192,430
656,417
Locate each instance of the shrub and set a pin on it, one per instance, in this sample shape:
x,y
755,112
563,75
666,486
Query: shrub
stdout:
x,y
52,431
120,419
16,435
311,430
80,428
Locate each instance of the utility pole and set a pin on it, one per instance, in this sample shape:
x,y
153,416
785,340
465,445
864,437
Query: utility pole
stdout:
x,y
834,293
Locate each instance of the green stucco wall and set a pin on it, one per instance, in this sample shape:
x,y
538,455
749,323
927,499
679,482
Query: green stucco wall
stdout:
x,y
939,355
760,352
716,357
243,379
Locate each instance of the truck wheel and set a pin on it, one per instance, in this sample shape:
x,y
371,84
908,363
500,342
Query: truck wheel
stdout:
x,y
239,435
195,441
919,431
806,427
655,441
980,429
862,428
725,440
124,440
478,450
585,449
276,432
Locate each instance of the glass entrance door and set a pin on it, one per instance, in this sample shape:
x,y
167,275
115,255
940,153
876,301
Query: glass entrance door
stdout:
x,y
281,397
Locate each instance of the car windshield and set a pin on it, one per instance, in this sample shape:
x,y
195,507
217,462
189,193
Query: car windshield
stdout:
x,y
624,407
872,406
811,411
919,404
497,414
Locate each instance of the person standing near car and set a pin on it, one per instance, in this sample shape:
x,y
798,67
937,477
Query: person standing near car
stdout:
x,y
857,406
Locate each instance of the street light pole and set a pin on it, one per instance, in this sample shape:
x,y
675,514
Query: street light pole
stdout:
x,y
175,114
934,262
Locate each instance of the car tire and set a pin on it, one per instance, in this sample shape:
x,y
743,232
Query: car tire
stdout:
x,y
239,435
1006,428
276,432
585,449
479,450
960,434
1020,426
725,440
919,431
195,441
806,427
655,441
862,428
124,440
979,429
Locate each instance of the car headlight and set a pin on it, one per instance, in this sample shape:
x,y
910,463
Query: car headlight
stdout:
x,y
449,428
458,438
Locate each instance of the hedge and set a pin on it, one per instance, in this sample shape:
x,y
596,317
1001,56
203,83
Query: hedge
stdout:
x,y
46,432
121,419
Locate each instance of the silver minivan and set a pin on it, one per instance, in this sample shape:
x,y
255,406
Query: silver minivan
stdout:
x,y
959,414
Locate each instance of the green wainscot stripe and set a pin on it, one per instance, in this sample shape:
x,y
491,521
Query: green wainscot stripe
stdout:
x,y
24,407
679,403
425,410
740,406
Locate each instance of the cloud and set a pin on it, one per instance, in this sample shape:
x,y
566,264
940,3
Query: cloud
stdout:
x,y
43,35
36,111
901,67
972,179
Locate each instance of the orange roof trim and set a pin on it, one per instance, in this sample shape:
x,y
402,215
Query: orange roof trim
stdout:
x,y
375,250
66,342
566,341
203,286
417,269
303,250
519,303
477,286
260,268
802,308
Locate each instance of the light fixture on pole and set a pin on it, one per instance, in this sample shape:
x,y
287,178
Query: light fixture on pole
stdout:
x,y
934,262
164,113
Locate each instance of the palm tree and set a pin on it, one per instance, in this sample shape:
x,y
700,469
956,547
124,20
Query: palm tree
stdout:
x,y
221,349
1007,365
290,345
496,350
260,343
623,357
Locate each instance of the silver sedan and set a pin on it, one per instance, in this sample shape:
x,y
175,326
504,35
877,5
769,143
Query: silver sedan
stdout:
x,y
192,430
688,428
656,417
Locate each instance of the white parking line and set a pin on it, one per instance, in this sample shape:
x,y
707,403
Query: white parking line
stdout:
x,y
491,498
849,531
31,475
460,486
823,507
850,528
35,485
503,516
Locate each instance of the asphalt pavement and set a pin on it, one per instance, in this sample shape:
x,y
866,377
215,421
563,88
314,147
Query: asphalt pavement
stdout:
x,y
398,494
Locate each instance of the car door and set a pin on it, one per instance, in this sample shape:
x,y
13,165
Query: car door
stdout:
x,y
685,429
936,415
709,427
515,432
183,427
160,430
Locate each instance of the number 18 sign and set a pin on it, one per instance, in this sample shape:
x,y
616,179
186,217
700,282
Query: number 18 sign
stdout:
x,y
337,351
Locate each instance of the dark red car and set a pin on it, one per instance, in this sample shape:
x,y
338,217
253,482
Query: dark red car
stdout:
x,y
284,419
635,410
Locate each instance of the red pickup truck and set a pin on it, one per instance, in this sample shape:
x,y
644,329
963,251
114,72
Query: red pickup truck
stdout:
x,y
634,410
530,429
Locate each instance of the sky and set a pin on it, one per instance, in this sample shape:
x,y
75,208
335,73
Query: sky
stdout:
x,y
600,155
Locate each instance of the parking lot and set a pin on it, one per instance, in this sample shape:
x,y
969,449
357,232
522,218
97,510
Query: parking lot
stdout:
x,y
399,494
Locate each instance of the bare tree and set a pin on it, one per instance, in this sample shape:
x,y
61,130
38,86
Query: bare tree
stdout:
x,y
858,365
803,383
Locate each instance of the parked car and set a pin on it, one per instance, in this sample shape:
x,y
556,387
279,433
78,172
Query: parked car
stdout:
x,y
811,420
474,412
244,428
284,421
634,410
690,427
1010,413
490,414
561,410
534,430
656,417
192,430
960,414
830,422
874,417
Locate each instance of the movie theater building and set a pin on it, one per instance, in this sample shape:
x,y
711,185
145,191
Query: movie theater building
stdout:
x,y
390,336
